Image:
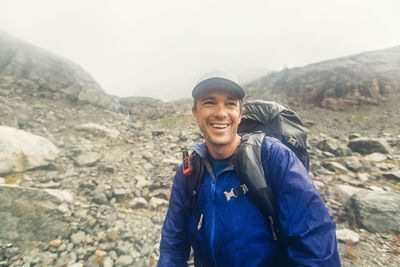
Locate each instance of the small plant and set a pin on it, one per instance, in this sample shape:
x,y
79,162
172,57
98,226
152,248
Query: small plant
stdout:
x,y
351,252
395,244
13,178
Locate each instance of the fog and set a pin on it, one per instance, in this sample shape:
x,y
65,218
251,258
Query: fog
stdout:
x,y
160,48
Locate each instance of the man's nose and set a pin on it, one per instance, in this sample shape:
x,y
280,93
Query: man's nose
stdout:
x,y
220,112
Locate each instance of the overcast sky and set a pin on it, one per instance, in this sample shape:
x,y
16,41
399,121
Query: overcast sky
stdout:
x,y
160,48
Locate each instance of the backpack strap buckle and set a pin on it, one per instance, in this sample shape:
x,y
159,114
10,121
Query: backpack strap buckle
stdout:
x,y
235,192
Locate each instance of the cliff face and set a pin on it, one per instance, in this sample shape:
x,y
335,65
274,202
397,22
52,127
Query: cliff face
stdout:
x,y
26,71
335,84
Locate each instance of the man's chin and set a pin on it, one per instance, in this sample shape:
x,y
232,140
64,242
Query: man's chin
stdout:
x,y
218,143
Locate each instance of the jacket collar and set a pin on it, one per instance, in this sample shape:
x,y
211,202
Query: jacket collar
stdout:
x,y
200,149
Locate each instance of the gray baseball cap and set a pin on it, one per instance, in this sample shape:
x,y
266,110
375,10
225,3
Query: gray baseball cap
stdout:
x,y
218,80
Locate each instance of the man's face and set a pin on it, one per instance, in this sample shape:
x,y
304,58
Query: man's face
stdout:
x,y
218,115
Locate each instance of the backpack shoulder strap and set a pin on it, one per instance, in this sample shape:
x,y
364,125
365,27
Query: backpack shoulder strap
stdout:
x,y
194,180
248,165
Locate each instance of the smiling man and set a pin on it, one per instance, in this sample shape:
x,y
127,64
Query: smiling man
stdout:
x,y
223,224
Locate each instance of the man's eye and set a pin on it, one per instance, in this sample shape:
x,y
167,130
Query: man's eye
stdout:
x,y
232,104
208,103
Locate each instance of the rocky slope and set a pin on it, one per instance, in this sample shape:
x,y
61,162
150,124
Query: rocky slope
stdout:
x,y
83,185
336,84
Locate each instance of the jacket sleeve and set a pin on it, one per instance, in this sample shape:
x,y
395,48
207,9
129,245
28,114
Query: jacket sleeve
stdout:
x,y
175,246
306,229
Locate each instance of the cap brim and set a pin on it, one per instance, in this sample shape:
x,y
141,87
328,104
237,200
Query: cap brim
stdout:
x,y
218,84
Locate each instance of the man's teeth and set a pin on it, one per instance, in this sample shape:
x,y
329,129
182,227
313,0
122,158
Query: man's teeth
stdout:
x,y
219,126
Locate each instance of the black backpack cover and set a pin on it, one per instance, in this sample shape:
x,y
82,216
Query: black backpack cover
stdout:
x,y
275,120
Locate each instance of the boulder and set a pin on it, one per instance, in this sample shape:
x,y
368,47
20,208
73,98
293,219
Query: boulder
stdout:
x,y
21,151
376,211
375,157
335,167
87,159
30,216
334,146
98,130
343,192
353,163
347,235
365,145
392,175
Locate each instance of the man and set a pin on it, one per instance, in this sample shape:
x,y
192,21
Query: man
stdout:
x,y
234,232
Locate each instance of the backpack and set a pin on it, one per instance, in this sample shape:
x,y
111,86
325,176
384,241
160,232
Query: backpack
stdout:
x,y
260,119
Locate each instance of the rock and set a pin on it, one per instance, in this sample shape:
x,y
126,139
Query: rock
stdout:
x,y
375,157
62,195
347,235
67,259
108,262
363,177
21,151
122,250
343,192
333,146
100,253
78,237
335,167
98,130
392,175
112,234
25,211
141,181
369,145
354,136
119,194
353,164
99,196
376,211
124,260
56,243
87,159
161,193
137,202
157,202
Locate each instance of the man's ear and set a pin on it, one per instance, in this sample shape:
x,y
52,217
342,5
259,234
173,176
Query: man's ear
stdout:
x,y
195,114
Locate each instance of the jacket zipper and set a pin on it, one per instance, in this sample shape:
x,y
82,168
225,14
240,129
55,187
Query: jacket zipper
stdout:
x,y
213,222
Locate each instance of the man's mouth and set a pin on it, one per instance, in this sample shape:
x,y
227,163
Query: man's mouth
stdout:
x,y
219,125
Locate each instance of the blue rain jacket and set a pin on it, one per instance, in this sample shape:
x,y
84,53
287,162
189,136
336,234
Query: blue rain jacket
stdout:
x,y
235,232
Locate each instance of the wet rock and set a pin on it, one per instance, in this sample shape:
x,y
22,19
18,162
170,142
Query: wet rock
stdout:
x,y
335,167
334,146
353,164
365,145
112,234
119,194
22,151
100,253
157,202
347,235
137,202
24,211
77,238
67,259
124,260
392,175
56,243
87,159
376,211
375,157
343,192
363,177
99,196
99,130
